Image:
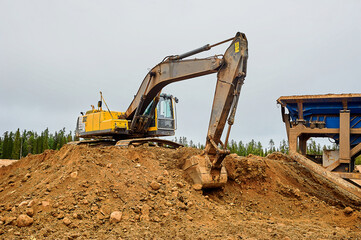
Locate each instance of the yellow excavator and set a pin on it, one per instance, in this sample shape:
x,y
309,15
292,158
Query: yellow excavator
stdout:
x,y
152,114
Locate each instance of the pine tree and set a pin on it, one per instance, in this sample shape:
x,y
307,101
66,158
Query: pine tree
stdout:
x,y
51,141
60,139
319,149
241,149
5,146
283,146
312,147
25,147
185,142
259,149
251,147
64,141
266,152
45,141
271,146
10,144
24,144
39,144
56,141
233,146
69,137
31,143
17,146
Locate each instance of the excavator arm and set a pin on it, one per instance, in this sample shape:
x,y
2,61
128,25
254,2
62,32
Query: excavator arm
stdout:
x,y
230,79
169,72
161,75
207,169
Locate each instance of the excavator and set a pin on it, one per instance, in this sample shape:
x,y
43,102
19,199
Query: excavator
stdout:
x,y
152,113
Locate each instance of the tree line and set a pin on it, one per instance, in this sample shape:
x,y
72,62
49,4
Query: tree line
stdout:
x,y
15,145
256,147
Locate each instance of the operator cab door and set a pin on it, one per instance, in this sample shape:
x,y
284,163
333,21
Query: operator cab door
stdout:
x,y
165,113
164,118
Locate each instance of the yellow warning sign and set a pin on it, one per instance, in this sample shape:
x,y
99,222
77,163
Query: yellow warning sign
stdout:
x,y
236,47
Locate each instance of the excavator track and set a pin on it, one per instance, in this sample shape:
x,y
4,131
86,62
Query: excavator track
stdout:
x,y
140,141
95,142
128,142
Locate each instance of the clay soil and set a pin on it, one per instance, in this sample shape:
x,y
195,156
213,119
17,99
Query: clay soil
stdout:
x,y
71,194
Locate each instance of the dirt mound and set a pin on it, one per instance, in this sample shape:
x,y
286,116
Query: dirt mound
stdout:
x,y
6,162
83,192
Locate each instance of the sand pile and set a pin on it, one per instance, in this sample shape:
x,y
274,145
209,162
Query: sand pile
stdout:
x,y
82,192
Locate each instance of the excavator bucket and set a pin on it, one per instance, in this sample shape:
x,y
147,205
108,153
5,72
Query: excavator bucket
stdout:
x,y
199,168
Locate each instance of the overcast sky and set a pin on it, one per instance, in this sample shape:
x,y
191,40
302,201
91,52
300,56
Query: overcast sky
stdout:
x,y
55,57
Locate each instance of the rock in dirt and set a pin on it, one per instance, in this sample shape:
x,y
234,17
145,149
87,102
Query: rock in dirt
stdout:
x,y
156,219
115,217
145,209
24,221
26,177
154,185
32,203
8,207
66,221
197,187
74,174
8,220
30,212
160,179
23,203
348,210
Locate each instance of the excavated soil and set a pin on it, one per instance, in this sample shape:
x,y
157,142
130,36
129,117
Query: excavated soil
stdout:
x,y
83,192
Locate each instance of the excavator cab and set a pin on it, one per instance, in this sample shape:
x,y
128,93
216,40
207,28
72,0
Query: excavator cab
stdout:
x,y
163,122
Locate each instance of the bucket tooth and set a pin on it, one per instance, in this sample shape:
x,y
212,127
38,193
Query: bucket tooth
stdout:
x,y
199,168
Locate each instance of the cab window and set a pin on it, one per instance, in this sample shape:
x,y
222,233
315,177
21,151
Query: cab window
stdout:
x,y
165,109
